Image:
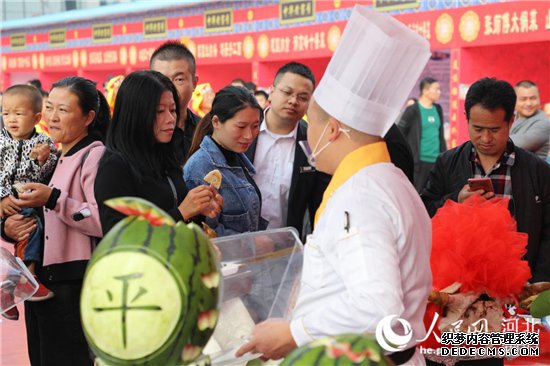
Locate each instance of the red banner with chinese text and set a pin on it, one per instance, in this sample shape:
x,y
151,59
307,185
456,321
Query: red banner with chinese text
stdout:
x,y
492,24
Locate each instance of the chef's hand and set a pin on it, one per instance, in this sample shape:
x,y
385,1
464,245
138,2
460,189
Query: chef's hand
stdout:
x,y
272,338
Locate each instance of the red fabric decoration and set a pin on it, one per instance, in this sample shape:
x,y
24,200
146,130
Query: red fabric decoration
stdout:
x,y
476,243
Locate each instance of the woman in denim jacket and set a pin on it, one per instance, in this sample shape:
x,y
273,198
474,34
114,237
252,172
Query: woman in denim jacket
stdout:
x,y
221,138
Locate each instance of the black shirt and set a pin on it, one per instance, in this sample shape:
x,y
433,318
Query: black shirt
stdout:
x,y
115,178
400,152
185,140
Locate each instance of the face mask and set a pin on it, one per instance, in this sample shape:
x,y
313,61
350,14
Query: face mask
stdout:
x,y
311,155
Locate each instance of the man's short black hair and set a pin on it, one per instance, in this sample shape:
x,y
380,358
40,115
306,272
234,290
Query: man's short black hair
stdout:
x,y
426,82
250,86
295,68
526,84
237,81
174,50
491,94
38,85
261,92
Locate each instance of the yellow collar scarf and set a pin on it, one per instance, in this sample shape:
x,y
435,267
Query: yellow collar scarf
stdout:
x,y
353,162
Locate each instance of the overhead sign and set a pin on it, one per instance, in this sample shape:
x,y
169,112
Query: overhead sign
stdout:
x,y
102,32
474,26
154,27
384,5
58,37
17,41
218,20
295,11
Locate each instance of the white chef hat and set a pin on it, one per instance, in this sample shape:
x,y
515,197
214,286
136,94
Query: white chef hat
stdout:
x,y
372,72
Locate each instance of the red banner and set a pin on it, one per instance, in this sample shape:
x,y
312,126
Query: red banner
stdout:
x,y
304,42
491,24
90,58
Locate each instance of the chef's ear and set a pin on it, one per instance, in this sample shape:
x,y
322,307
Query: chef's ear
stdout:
x,y
334,129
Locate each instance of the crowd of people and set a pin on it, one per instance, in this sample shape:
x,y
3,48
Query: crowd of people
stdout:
x,y
371,228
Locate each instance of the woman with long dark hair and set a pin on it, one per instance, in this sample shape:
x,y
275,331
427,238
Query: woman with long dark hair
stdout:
x,y
221,138
141,155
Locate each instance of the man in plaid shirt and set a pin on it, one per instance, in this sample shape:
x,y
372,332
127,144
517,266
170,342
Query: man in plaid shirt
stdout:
x,y
515,173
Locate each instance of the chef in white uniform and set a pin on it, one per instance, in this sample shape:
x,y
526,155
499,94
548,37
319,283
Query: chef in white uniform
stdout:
x,y
369,255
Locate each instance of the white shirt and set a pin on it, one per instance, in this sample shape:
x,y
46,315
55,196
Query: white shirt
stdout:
x,y
274,162
351,280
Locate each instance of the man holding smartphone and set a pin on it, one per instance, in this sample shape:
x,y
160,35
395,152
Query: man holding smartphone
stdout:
x,y
485,184
513,172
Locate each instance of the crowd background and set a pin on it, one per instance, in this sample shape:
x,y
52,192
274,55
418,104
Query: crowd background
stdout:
x,y
257,151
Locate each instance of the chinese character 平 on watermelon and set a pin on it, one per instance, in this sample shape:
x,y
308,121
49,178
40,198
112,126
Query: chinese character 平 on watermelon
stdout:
x,y
150,293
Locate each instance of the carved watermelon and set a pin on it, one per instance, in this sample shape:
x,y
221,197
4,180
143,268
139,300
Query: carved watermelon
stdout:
x,y
150,293
342,350
541,305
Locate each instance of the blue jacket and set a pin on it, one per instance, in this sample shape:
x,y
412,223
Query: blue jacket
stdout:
x,y
242,207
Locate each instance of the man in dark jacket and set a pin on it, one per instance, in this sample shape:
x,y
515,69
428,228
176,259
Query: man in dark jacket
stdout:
x,y
514,172
422,126
176,62
290,186
400,151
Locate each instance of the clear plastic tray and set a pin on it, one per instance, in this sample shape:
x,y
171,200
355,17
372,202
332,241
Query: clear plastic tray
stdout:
x,y
260,280
17,284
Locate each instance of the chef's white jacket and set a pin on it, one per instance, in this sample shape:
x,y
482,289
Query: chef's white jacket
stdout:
x,y
368,257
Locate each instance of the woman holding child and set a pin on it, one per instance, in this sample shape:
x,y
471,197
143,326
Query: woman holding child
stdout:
x,y
76,114
25,156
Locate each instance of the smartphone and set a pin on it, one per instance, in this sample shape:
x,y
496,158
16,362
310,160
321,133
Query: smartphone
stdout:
x,y
481,183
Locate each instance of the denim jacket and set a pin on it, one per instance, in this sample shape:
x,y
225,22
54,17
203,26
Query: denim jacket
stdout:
x,y
241,210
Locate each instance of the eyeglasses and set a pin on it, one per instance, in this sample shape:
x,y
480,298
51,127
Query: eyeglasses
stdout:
x,y
300,98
